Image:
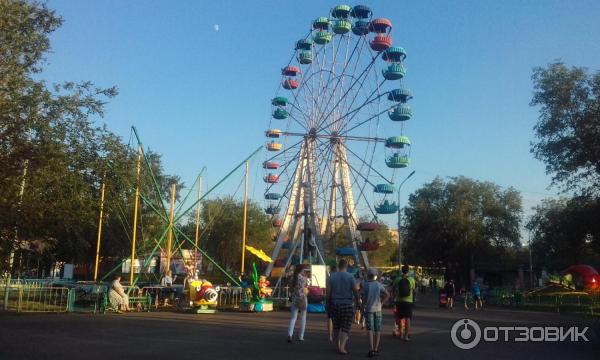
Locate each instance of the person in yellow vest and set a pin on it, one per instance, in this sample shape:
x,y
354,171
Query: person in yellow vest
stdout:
x,y
404,289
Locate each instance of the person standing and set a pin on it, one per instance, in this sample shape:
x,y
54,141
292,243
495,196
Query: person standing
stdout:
x,y
404,288
373,295
332,269
341,293
450,290
476,291
299,302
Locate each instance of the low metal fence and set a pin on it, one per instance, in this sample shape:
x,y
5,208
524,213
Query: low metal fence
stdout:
x,y
231,297
35,299
561,302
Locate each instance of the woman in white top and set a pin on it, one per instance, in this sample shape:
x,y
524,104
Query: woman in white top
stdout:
x,y
299,302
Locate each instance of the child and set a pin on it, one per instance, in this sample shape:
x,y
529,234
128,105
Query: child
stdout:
x,y
373,295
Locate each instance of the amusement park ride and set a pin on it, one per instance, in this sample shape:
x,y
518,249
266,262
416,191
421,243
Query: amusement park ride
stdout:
x,y
342,88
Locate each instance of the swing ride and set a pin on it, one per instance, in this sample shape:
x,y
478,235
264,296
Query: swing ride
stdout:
x,y
340,93
199,295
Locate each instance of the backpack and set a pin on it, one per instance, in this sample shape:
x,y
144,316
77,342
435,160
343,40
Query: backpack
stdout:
x,y
404,287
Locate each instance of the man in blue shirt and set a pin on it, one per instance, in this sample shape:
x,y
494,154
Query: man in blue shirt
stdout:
x,y
342,291
374,294
476,291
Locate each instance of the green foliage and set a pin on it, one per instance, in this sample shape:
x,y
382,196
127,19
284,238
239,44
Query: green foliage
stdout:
x,y
387,253
222,219
53,153
461,221
568,128
565,232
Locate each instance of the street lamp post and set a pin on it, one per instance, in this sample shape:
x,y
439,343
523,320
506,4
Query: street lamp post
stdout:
x,y
400,220
530,261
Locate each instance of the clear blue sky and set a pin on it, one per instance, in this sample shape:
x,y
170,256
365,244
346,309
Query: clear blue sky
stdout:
x,y
201,97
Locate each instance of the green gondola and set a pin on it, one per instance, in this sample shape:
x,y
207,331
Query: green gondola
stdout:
x,y
305,57
397,161
401,112
280,114
400,95
341,26
397,142
341,11
279,101
386,208
384,189
322,37
395,71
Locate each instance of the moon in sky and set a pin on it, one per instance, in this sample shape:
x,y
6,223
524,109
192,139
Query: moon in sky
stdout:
x,y
216,27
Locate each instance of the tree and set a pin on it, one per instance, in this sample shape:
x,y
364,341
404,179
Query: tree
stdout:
x,y
568,128
461,223
565,232
222,231
387,253
53,156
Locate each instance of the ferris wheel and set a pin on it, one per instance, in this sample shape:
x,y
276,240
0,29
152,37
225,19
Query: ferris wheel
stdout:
x,y
336,137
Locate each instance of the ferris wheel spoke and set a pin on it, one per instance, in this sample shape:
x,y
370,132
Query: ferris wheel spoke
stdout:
x,y
356,171
355,111
295,104
369,100
340,80
362,195
369,166
363,73
367,120
329,77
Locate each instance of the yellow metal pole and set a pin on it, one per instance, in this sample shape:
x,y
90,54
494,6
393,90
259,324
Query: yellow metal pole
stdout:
x,y
197,220
99,229
135,214
170,234
245,215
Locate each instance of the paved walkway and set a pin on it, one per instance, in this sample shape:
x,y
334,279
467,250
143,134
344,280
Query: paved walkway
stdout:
x,y
229,335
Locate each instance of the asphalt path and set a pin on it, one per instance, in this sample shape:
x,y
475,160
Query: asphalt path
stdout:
x,y
231,335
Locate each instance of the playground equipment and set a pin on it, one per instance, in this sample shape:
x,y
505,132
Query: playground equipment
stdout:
x,y
201,296
256,294
172,238
331,107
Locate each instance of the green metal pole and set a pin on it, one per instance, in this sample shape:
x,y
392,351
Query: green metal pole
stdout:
x,y
217,184
147,162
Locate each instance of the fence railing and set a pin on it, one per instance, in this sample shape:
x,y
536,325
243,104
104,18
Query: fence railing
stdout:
x,y
230,297
561,302
35,299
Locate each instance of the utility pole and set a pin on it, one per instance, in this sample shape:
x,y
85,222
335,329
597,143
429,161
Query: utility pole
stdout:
x,y
135,215
171,227
400,220
99,228
197,238
530,261
244,221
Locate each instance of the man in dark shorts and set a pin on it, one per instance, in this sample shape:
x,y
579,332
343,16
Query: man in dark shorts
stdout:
x,y
404,288
341,294
332,269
